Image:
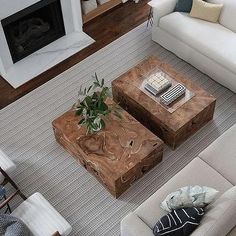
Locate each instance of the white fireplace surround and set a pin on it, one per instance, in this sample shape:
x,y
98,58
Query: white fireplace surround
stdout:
x,y
48,56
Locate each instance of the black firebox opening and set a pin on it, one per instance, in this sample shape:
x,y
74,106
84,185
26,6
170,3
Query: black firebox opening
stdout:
x,y
33,28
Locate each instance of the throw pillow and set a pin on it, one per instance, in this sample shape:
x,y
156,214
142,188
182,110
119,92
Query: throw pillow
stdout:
x,y
189,196
184,5
206,11
181,222
12,226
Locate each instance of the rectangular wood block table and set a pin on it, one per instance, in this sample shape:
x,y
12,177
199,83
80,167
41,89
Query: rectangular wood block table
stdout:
x,y
117,155
172,124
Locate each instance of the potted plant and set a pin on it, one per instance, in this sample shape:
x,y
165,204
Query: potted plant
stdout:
x,y
92,106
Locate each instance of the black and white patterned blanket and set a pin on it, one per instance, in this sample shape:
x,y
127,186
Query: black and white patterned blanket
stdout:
x,y
11,226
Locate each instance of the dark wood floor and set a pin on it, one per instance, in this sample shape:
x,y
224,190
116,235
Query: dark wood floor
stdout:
x,y
104,29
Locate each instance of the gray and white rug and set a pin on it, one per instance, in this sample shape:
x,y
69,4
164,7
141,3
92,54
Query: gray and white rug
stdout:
x,y
42,165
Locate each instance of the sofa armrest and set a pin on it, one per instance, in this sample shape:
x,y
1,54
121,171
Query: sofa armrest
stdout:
x,y
132,225
161,8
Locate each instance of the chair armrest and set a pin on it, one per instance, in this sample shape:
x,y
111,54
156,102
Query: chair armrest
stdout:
x,y
46,216
161,8
56,234
8,199
132,225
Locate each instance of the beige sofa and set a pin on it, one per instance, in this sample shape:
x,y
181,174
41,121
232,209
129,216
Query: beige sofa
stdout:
x,y
214,167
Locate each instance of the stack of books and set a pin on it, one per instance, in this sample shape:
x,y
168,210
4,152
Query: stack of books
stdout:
x,y
157,83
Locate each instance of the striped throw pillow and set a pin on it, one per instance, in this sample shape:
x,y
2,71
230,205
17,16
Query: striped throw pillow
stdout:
x,y
181,222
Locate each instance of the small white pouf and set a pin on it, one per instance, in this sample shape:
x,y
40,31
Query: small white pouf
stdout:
x,y
41,217
6,164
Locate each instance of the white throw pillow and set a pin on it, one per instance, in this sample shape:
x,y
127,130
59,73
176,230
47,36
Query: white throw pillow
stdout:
x,y
189,196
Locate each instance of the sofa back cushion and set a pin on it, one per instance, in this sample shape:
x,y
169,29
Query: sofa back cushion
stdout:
x,y
220,216
228,13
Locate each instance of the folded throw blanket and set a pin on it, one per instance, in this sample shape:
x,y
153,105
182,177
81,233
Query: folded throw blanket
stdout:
x,y
12,226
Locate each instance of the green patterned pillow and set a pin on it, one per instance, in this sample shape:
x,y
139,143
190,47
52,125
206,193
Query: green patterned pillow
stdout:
x,y
189,196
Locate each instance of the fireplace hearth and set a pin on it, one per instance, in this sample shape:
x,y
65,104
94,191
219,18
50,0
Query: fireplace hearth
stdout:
x,y
33,28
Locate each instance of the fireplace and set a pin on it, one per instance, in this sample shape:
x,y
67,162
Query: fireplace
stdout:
x,y
45,47
33,28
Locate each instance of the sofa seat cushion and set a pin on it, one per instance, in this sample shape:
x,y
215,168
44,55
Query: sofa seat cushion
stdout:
x,y
210,39
197,172
132,225
221,154
41,217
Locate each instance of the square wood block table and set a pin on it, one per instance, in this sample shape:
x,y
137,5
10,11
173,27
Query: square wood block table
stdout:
x,y
175,123
117,155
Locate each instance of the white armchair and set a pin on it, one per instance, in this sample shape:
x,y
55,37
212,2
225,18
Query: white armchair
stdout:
x,y
36,212
41,217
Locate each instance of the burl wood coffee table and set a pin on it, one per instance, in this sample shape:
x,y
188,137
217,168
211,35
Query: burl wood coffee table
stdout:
x,y
118,155
173,124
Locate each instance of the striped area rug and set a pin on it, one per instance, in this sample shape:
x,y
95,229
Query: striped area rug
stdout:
x,y
42,165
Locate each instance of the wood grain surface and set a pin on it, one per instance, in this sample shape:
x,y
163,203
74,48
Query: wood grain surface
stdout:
x,y
117,155
173,128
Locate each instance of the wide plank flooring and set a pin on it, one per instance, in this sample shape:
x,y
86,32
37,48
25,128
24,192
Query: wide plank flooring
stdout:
x,y
104,29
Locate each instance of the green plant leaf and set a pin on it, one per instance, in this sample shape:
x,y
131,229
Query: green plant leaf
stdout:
x,y
103,106
80,93
93,106
96,84
88,100
95,96
90,87
89,129
103,124
79,112
105,113
81,121
74,106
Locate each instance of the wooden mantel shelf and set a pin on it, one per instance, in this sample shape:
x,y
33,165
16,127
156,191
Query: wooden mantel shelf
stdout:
x,y
100,10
